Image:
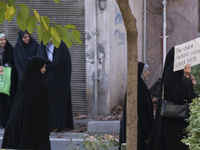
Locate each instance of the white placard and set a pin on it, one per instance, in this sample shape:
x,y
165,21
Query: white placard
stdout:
x,y
187,53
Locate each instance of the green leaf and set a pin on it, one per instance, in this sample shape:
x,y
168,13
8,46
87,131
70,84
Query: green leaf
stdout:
x,y
2,7
31,24
45,37
11,2
71,37
39,32
56,39
46,19
2,11
21,22
36,15
13,15
66,38
57,1
45,22
59,29
77,35
2,17
24,10
70,26
10,12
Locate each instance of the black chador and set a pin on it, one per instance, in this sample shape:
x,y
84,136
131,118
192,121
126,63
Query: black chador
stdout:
x,y
28,124
23,52
144,110
167,133
5,100
58,81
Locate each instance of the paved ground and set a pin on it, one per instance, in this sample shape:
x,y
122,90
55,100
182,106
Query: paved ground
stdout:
x,y
73,139
60,141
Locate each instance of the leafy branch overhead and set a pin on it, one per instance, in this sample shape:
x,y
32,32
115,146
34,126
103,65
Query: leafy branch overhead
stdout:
x,y
25,21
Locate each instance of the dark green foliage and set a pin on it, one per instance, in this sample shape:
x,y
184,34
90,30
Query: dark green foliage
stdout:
x,y
196,74
193,130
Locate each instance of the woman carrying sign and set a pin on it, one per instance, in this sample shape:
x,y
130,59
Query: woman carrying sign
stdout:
x,y
167,133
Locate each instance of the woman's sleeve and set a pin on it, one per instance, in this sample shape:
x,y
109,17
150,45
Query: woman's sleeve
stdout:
x,y
176,89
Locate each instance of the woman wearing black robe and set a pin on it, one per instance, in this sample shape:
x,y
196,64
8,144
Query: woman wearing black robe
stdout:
x,y
145,111
6,59
24,51
28,124
167,133
59,88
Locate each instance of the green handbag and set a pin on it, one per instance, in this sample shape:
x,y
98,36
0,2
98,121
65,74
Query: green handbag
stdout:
x,y
5,81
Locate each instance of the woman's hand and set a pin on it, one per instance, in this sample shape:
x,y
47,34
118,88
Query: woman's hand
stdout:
x,y
146,141
187,70
194,82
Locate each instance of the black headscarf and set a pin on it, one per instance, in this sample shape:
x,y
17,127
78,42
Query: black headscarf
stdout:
x,y
33,69
6,101
8,54
28,124
59,86
23,52
144,110
167,133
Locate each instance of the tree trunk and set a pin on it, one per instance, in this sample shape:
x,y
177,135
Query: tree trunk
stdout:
x,y
131,29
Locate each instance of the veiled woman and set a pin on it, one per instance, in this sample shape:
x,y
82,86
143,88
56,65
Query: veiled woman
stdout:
x,y
59,85
7,60
28,125
145,110
167,133
25,48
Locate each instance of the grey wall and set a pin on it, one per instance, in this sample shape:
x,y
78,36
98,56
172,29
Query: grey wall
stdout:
x,y
182,26
106,36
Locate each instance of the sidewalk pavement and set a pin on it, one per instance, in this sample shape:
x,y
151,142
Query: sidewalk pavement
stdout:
x,y
91,126
62,140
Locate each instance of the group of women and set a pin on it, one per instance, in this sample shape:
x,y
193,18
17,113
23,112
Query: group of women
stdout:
x,y
161,133
39,101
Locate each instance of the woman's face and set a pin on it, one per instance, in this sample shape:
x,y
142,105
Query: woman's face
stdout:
x,y
3,41
26,38
43,69
146,74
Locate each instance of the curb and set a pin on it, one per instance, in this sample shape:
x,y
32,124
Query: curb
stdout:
x,y
103,127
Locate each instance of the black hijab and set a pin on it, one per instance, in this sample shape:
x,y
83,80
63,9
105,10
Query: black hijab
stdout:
x,y
23,52
177,88
59,86
144,110
28,124
33,68
8,54
6,101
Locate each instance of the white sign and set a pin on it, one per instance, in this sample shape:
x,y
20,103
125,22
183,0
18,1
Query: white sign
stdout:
x,y
187,53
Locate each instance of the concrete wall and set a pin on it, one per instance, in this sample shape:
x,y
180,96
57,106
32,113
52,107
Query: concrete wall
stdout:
x,y
117,56
137,9
106,36
90,49
182,26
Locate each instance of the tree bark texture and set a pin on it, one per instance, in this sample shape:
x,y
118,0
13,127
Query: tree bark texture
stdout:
x,y
132,62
